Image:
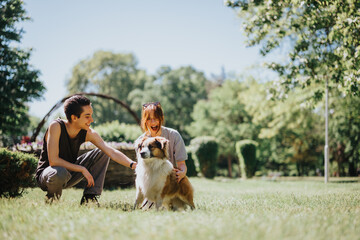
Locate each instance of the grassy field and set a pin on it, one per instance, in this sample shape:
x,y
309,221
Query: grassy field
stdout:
x,y
226,209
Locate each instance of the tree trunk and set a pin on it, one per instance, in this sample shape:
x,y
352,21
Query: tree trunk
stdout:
x,y
339,169
229,166
298,168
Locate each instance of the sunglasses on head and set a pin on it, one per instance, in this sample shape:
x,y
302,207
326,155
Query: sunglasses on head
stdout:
x,y
151,103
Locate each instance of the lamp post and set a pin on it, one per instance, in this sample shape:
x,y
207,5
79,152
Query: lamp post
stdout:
x,y
326,149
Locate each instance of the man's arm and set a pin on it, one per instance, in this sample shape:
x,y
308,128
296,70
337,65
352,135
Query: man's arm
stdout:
x,y
114,154
53,137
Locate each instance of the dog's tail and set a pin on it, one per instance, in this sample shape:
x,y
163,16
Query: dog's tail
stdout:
x,y
188,199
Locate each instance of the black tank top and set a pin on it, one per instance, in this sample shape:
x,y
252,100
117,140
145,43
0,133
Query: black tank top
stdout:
x,y
68,148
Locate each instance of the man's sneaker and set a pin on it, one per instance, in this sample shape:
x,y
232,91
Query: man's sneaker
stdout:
x,y
89,198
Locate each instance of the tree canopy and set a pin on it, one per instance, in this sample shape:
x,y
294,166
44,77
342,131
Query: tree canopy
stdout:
x,y
113,74
19,81
345,133
288,133
322,39
117,75
224,116
178,90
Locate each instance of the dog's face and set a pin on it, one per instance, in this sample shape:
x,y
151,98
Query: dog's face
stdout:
x,y
153,147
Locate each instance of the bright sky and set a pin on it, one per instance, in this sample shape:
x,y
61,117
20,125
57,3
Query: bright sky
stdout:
x,y
201,33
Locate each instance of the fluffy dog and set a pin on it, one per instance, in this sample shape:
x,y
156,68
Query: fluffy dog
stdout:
x,y
155,178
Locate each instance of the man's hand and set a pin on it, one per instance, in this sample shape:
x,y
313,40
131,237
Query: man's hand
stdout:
x,y
88,177
133,167
180,174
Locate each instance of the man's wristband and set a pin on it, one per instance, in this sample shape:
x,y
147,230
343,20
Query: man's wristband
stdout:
x,y
131,164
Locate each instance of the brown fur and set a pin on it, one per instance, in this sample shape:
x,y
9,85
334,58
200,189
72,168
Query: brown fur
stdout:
x,y
177,195
151,183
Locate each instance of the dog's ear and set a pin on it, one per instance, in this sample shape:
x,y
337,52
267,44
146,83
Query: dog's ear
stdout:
x,y
138,143
162,142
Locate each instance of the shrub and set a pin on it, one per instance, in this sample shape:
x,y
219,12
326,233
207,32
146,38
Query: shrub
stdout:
x,y
190,164
16,172
246,151
205,149
118,132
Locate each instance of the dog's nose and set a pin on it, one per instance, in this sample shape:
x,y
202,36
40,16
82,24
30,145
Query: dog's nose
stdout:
x,y
143,154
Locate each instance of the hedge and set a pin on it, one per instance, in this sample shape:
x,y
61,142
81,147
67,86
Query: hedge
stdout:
x,y
16,172
205,149
246,151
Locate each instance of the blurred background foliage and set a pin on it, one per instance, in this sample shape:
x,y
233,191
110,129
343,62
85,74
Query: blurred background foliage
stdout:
x,y
118,132
284,116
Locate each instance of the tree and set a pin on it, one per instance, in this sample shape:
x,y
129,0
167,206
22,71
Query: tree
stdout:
x,y
293,134
345,133
116,75
288,132
19,81
178,90
224,117
322,39
182,88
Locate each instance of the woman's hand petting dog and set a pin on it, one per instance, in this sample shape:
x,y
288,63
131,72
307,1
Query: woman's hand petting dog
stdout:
x,y
179,174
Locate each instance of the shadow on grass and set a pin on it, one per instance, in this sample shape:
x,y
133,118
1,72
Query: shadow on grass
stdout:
x,y
347,181
124,206
127,207
309,179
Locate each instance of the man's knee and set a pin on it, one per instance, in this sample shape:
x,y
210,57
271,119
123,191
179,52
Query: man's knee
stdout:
x,y
58,176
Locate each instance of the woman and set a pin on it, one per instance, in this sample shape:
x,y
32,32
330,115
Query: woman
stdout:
x,y
152,120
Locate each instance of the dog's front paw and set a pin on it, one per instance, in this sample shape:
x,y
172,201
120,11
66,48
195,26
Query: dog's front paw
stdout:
x,y
146,205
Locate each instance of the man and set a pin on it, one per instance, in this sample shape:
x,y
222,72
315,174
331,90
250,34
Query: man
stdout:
x,y
60,167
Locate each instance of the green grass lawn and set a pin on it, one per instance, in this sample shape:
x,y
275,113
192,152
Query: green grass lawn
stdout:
x,y
226,209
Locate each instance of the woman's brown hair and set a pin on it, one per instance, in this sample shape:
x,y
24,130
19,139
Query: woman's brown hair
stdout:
x,y
147,109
